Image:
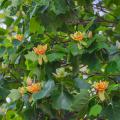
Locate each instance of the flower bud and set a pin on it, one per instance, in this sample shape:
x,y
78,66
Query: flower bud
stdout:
x,y
90,35
29,81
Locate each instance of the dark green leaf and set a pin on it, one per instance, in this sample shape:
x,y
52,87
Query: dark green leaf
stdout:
x,y
81,101
62,101
81,84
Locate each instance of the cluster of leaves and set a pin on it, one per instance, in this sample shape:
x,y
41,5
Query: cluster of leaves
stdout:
x,y
69,68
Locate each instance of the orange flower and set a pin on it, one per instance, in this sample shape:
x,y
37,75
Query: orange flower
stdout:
x,y
101,86
19,37
77,36
34,88
40,49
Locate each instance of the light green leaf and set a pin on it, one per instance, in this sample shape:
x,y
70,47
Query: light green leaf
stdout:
x,y
36,27
14,95
95,110
113,87
55,56
2,15
31,56
12,115
16,2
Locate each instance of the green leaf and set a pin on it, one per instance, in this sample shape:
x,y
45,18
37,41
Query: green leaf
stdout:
x,y
33,11
112,112
2,31
3,93
81,84
113,87
74,49
16,2
2,15
58,6
31,56
47,89
31,65
36,27
59,48
92,61
89,24
28,114
100,38
95,110
101,45
2,51
62,101
1,117
81,101
35,71
55,56
111,67
9,21
14,95
12,115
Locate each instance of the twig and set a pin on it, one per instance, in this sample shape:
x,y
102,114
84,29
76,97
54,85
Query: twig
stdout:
x,y
99,74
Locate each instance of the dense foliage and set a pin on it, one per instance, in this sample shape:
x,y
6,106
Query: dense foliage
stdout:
x,y
59,60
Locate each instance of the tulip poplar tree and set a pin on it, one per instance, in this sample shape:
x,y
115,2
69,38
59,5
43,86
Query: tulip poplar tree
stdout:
x,y
59,59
